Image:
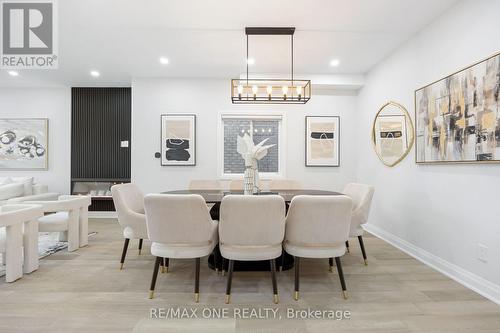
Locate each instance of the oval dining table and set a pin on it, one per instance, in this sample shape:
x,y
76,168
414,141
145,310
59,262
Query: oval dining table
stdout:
x,y
215,197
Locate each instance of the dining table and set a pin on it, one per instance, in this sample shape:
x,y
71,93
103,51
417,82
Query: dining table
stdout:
x,y
214,198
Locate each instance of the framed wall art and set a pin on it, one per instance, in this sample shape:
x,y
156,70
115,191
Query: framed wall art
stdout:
x,y
458,117
322,141
392,133
24,144
178,139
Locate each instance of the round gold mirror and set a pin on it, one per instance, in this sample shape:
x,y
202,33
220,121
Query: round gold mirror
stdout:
x,y
392,133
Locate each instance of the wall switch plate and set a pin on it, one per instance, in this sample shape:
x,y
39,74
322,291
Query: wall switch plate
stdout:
x,y
124,144
482,252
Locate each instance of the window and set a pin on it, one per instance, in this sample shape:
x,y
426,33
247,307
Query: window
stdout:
x,y
259,127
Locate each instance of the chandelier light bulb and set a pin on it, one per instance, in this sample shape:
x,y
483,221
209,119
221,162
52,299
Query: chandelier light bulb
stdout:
x,y
285,91
269,92
299,92
240,91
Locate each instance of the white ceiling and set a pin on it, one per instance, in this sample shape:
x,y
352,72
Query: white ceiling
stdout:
x,y
205,38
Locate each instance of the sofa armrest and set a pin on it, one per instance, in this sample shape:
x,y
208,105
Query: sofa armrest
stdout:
x,y
40,188
35,197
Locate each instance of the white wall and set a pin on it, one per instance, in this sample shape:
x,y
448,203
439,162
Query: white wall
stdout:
x,y
206,98
443,211
55,104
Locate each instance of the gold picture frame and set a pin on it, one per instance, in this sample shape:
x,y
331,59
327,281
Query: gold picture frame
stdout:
x,y
406,131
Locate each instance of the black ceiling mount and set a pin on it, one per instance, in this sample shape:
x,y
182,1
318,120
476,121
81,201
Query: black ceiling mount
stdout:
x,y
269,31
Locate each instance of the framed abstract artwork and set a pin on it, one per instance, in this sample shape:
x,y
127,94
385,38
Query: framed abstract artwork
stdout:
x,y
457,118
24,144
322,141
178,139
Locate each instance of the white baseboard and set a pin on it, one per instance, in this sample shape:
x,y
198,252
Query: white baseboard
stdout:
x,y
462,276
102,215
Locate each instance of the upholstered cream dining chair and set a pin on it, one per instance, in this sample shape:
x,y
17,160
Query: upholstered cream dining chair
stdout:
x,y
251,228
129,205
318,227
361,196
188,233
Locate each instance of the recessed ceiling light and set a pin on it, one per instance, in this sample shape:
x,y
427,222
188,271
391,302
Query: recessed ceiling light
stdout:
x,y
95,73
334,62
250,61
13,73
164,61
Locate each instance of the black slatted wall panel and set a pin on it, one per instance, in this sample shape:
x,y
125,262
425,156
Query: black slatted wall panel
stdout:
x,y
100,120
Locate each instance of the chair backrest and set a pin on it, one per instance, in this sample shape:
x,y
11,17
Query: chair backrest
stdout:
x,y
361,196
128,198
17,213
318,220
178,219
236,185
205,184
248,220
284,184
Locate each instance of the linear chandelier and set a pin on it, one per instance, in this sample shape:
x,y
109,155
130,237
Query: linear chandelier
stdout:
x,y
270,91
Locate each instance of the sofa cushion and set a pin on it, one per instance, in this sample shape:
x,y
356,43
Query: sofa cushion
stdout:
x,y
11,191
5,180
27,182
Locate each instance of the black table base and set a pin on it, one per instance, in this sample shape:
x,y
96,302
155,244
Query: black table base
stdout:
x,y
285,261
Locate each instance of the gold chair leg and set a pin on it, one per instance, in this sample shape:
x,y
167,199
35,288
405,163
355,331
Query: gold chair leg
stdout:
x,y
296,295
366,262
344,293
151,294
228,299
276,299
197,297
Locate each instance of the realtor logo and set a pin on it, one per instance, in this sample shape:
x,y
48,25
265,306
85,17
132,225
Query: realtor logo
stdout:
x,y
28,34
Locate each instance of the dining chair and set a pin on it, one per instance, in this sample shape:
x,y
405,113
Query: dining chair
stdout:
x,y
129,205
19,239
284,184
361,196
317,226
251,228
188,232
204,184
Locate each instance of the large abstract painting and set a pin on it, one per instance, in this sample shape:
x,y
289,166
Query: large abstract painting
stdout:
x,y
178,139
24,144
458,117
322,141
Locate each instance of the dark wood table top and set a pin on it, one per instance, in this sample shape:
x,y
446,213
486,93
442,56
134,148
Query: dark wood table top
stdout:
x,y
215,196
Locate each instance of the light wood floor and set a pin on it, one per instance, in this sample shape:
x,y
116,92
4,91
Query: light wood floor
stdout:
x,y
86,292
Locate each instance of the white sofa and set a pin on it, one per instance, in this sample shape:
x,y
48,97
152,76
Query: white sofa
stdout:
x,y
20,189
